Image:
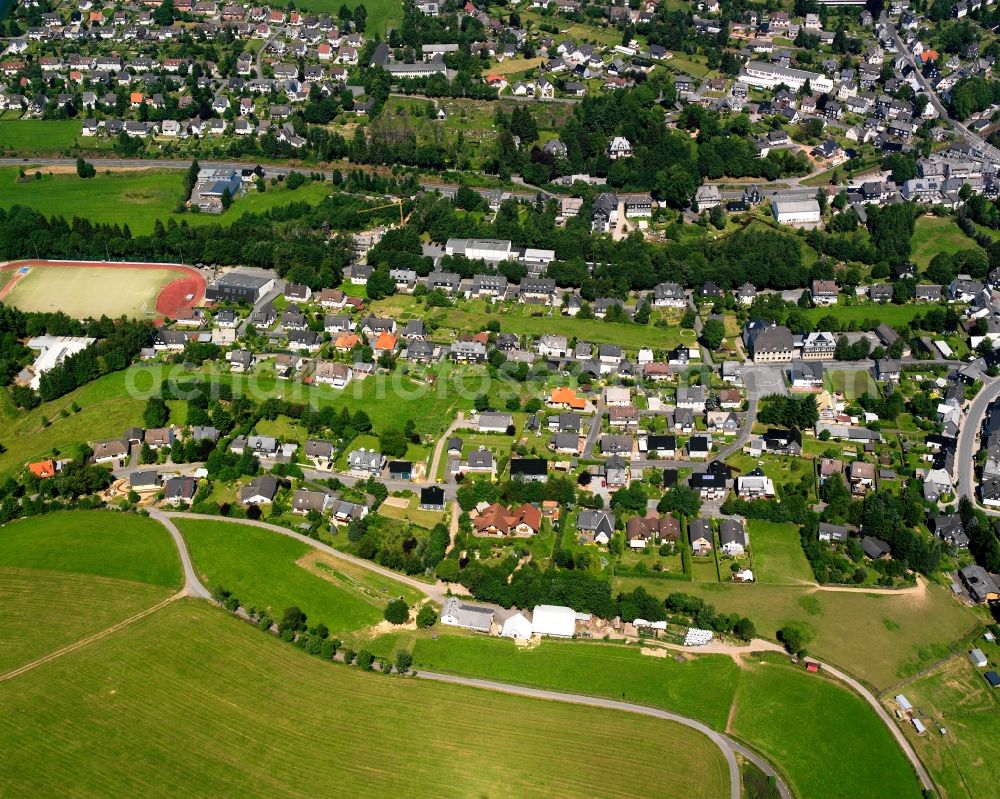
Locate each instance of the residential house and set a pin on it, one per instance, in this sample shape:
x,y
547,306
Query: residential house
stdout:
x,y
701,537
733,538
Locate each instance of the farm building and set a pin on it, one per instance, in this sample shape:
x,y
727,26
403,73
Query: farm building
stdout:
x,y
553,620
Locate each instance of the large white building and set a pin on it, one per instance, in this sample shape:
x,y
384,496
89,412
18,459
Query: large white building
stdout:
x,y
554,620
768,76
53,350
796,212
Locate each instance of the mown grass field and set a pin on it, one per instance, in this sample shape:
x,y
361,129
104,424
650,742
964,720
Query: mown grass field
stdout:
x,y
933,234
87,291
777,554
45,610
260,568
879,638
102,543
190,702
705,688
135,197
957,698
38,135
67,575
695,688
827,740
852,383
892,315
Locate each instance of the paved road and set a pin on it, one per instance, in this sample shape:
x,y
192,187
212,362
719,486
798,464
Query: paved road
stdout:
x,y
973,139
437,592
192,585
968,436
726,746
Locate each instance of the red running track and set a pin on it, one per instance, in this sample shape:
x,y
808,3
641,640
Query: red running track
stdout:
x,y
179,295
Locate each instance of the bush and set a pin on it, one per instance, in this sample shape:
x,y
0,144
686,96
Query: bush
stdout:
x,y
403,661
365,660
397,612
426,616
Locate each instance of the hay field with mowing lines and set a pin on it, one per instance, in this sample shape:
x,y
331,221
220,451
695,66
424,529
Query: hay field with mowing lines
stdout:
x,y
122,546
44,610
84,291
189,701
64,576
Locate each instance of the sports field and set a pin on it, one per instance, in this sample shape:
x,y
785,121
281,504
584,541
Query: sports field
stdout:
x,y
260,567
81,290
190,702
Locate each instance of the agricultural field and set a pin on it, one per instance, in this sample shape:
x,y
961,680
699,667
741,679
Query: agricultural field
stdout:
x,y
89,291
933,234
956,697
67,575
190,701
45,610
880,638
705,688
826,738
101,543
135,197
262,569
777,554
39,136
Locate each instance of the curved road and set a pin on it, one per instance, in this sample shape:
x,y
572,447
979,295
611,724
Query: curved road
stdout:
x,y
965,457
192,585
881,712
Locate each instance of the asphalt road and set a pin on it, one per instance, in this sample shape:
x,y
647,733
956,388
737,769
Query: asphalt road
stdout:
x,y
968,436
192,585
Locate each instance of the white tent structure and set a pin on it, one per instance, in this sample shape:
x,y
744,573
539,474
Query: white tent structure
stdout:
x,y
553,620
